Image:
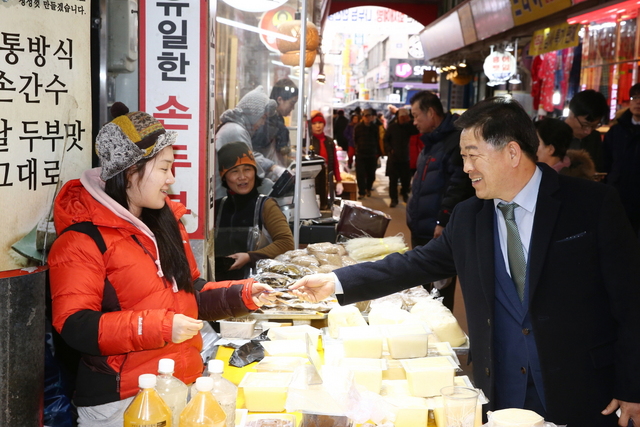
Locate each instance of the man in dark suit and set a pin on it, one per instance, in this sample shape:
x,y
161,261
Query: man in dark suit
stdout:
x,y
555,329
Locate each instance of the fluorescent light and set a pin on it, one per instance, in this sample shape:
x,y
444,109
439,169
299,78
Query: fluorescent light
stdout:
x,y
255,29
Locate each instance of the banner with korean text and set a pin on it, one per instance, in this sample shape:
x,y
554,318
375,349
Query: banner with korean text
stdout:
x,y
174,89
45,118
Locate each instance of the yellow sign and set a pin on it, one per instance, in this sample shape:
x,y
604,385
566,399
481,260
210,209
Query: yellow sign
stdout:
x,y
554,38
529,10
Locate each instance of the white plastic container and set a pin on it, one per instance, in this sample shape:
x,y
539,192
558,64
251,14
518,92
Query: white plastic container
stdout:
x,y
173,391
427,375
265,391
237,329
407,341
366,372
362,341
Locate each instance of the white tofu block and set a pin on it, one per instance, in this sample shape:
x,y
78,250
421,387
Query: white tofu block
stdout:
x,y
362,341
406,341
366,372
394,371
409,411
396,388
291,348
427,375
513,417
345,316
265,391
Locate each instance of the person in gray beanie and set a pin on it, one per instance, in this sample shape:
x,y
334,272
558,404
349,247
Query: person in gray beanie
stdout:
x,y
240,124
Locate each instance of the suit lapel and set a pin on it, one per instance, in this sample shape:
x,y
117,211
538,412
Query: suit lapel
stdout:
x,y
484,239
547,208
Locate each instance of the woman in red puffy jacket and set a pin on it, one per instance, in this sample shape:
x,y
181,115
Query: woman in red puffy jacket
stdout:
x,y
138,298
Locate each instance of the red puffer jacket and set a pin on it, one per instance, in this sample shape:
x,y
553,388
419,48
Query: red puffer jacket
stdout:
x,y
116,310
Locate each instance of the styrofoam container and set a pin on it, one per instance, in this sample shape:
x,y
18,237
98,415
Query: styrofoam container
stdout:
x,y
291,348
362,341
406,341
427,375
237,329
279,364
366,372
265,391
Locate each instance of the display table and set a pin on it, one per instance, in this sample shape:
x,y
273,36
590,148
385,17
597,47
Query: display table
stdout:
x,y
350,190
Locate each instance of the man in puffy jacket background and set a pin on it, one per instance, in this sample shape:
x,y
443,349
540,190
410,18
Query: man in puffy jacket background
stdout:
x,y
439,183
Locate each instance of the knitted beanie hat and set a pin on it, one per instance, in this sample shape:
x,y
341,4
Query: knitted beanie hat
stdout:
x,y
316,116
234,154
255,104
128,138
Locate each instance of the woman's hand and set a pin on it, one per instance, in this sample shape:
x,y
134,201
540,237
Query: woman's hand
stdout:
x,y
184,328
262,294
339,188
241,259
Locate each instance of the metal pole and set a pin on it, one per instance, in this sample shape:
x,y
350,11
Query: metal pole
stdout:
x,y
301,125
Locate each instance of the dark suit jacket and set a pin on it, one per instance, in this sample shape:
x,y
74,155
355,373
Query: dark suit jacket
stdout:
x,y
584,292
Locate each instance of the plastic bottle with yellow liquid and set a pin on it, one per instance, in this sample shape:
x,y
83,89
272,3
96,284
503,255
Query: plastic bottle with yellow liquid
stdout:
x,y
147,408
203,410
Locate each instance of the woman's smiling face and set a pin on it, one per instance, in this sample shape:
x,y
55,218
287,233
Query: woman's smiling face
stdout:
x,y
241,179
150,189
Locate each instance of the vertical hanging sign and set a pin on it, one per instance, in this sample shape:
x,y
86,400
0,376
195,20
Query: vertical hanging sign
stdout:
x,y
45,117
173,88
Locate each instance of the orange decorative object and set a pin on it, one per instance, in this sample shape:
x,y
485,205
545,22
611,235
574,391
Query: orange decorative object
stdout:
x,y
293,58
292,28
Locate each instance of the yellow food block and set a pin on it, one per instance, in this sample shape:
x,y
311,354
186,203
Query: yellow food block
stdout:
x,y
427,375
362,341
394,371
344,316
406,341
290,348
395,388
265,391
366,372
409,411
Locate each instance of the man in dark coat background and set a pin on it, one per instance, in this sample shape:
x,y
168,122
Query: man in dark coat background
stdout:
x,y
396,145
622,158
566,346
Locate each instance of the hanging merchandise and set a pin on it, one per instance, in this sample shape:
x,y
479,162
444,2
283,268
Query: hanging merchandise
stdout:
x,y
291,49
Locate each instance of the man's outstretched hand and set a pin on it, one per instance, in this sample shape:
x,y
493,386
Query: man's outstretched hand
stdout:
x,y
314,288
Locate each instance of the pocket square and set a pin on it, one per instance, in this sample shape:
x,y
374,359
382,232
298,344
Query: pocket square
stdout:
x,y
575,236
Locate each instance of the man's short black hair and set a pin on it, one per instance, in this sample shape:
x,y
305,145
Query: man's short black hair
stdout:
x,y
635,90
426,100
500,120
591,104
557,133
285,89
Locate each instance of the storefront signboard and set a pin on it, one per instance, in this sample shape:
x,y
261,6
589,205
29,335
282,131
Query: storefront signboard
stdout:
x,y
499,66
407,70
530,10
45,119
490,17
174,88
553,38
255,5
442,36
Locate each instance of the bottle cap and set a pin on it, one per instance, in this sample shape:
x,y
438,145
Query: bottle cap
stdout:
x,y
204,384
215,366
147,381
166,366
